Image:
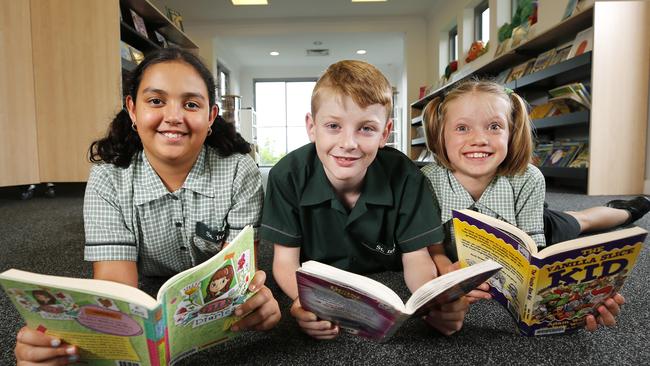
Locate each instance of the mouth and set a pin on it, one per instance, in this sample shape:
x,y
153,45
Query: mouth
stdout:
x,y
172,135
345,160
477,155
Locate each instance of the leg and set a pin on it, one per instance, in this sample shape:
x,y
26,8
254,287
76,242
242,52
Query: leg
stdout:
x,y
599,218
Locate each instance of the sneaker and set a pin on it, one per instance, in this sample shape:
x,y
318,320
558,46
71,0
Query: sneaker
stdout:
x,y
50,192
637,207
27,194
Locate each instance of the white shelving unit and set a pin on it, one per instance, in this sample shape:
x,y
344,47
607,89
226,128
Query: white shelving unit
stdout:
x,y
248,129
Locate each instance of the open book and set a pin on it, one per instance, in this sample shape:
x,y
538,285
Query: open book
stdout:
x,y
552,290
115,324
366,307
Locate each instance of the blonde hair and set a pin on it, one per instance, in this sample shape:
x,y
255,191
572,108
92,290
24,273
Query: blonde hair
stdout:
x,y
361,81
520,140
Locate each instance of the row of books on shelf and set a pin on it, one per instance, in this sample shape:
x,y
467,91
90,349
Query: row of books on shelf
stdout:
x,y
562,154
130,54
582,43
568,98
135,20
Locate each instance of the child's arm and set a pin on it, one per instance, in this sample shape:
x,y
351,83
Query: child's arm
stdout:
x,y
418,268
445,266
125,272
286,260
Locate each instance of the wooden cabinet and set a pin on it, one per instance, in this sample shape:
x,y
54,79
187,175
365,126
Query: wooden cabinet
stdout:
x,y
618,68
60,82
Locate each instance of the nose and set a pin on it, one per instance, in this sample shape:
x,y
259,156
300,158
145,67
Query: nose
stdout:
x,y
347,140
479,137
173,113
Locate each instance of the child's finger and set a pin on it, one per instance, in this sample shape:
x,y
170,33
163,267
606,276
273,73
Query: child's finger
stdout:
x,y
35,338
606,317
620,300
590,323
264,310
302,315
479,294
258,281
61,355
319,329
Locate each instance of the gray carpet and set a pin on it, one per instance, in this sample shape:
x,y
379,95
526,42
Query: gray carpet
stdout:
x,y
46,235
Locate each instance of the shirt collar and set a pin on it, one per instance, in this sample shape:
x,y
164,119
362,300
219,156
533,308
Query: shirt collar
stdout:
x,y
376,187
148,186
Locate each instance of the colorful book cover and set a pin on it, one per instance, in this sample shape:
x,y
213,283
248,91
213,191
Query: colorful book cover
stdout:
x,y
138,23
116,324
550,291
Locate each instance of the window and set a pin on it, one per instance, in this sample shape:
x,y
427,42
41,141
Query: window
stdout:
x,y
482,22
453,44
281,107
223,81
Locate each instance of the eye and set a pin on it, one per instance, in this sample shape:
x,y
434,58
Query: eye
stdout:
x,y
461,128
192,105
494,126
332,125
367,129
155,101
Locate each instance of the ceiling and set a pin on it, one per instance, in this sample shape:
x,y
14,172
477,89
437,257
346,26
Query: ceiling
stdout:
x,y
250,48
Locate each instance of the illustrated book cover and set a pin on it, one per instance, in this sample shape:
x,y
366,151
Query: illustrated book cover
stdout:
x,y
115,324
552,290
365,307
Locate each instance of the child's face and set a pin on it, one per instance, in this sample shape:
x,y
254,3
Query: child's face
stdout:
x,y
218,284
347,138
476,135
172,113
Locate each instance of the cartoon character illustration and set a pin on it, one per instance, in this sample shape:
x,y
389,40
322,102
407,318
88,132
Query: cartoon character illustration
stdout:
x,y
219,283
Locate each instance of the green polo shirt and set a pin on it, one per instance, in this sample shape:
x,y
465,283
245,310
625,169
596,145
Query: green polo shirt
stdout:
x,y
395,213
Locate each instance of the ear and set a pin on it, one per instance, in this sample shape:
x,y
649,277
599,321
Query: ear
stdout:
x,y
310,125
130,107
386,132
214,112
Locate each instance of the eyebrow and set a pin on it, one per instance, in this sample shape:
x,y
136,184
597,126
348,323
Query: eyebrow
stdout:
x,y
184,95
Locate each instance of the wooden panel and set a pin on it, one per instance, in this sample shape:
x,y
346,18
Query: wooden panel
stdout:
x,y
77,81
619,97
18,152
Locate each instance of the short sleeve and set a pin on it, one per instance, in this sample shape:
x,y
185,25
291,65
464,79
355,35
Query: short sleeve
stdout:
x,y
280,218
247,198
108,236
529,205
419,220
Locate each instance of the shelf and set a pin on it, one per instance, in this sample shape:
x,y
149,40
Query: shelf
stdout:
x,y
572,173
575,68
418,141
569,119
135,39
157,21
562,33
417,120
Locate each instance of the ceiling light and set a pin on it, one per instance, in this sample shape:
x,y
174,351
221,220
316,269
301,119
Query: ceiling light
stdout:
x,y
274,53
250,2
368,1
361,52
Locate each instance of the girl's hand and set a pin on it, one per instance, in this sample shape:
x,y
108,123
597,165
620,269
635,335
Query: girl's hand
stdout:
x,y
607,313
262,309
448,318
309,323
36,348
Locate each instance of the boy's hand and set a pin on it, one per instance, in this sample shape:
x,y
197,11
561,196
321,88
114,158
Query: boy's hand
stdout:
x,y
608,312
309,323
36,348
262,309
448,318
479,293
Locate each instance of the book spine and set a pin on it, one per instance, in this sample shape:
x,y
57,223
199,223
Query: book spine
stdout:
x,y
156,333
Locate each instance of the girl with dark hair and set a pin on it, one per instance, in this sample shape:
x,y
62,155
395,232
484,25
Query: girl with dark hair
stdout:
x,y
169,175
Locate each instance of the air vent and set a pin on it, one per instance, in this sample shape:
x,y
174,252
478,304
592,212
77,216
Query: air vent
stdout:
x,y
318,52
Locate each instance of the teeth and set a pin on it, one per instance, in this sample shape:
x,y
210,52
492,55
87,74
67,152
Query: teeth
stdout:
x,y
477,155
172,135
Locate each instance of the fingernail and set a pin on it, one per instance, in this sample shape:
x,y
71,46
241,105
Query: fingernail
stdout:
x,y
252,288
73,358
71,350
55,342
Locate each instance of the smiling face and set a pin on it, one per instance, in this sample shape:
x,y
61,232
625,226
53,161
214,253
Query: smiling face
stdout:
x,y
172,113
476,136
218,284
347,138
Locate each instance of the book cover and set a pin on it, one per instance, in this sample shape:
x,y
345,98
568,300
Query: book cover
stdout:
x,y
365,307
542,61
582,159
519,71
562,153
136,55
138,23
125,51
503,75
541,153
584,42
552,290
561,54
112,323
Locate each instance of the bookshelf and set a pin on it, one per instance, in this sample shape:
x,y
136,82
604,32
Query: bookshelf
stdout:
x,y
615,128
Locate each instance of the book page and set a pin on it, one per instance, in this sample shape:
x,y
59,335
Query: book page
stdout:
x,y
106,330
477,242
199,305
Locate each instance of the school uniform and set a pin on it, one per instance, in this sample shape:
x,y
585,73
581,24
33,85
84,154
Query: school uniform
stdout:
x,y
130,215
517,200
395,213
